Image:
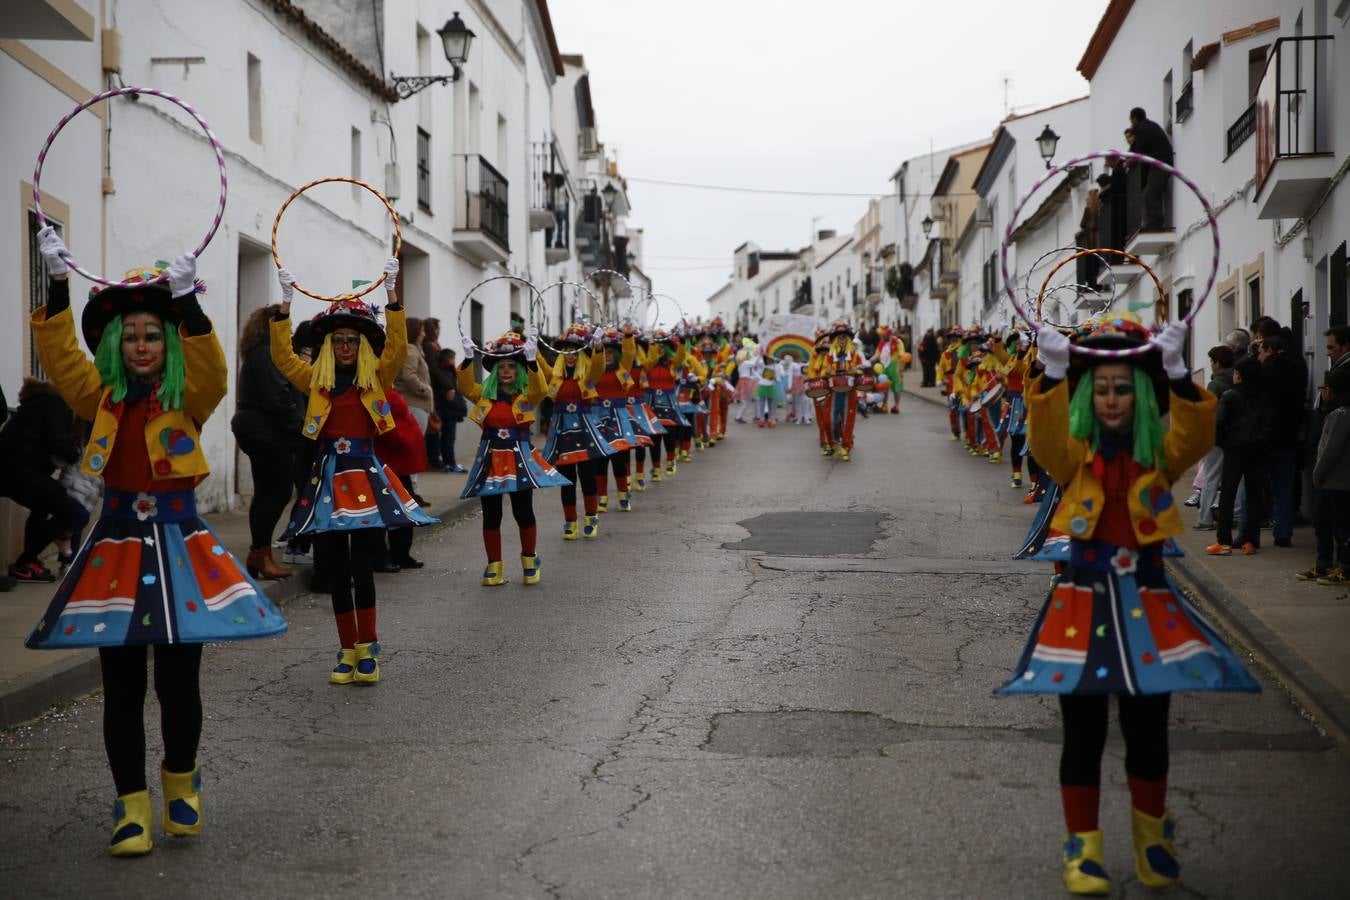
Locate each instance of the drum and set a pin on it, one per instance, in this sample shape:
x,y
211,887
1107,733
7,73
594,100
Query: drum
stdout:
x,y
841,384
817,388
865,382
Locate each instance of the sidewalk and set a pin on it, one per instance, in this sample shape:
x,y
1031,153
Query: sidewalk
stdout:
x,y
33,680
1300,631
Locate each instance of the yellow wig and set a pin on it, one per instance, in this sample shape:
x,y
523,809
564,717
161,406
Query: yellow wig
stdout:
x,y
325,366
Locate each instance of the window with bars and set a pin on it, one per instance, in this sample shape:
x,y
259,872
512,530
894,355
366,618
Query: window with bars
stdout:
x,y
424,169
37,286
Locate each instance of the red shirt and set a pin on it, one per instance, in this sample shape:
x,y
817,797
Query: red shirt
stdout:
x,y
348,417
608,386
500,416
660,377
1116,475
129,467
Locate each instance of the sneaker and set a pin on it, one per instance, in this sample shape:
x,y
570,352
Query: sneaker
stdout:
x,y
293,557
1204,526
1313,574
456,469
1220,549
1249,549
1334,578
1194,499
32,572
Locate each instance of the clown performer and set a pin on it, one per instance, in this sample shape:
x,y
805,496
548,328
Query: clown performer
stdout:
x,y
946,375
645,422
689,394
746,366
893,358
843,365
1114,623
815,374
1014,370
766,392
150,573
988,396
506,463
576,445
664,364
351,496
617,424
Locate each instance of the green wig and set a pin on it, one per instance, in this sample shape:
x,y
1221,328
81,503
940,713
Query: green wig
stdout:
x,y
108,361
491,384
1146,428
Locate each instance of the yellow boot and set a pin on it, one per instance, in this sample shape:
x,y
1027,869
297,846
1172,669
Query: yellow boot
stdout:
x,y
656,474
532,568
1155,859
1083,869
570,531
591,527
492,575
131,825
625,501
602,503
844,454
345,671
367,662
182,802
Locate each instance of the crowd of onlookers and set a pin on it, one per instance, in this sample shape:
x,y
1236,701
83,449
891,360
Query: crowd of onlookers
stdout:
x,y
1252,479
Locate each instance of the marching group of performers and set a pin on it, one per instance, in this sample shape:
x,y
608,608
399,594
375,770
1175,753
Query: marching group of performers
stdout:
x,y
152,574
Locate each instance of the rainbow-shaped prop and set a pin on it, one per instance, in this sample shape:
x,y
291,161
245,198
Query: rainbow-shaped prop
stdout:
x,y
793,345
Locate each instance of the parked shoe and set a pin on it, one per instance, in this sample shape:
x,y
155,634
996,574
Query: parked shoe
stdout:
x,y
408,562
345,671
532,568
493,575
1219,549
844,455
261,564
590,528
296,557
456,470
182,802
1194,499
685,456
131,825
1334,578
31,572
656,475
368,661
602,503
640,483
1083,870
1204,526
625,501
1313,574
1030,498
996,457
571,531
1016,480
1249,549
1155,859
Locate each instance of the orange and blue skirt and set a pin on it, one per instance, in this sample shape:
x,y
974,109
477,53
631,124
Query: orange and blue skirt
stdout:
x,y
152,572
615,426
350,489
665,404
1114,623
506,462
574,435
645,421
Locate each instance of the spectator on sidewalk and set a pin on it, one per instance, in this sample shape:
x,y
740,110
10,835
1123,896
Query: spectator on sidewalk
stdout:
x,y
453,410
265,423
1331,478
1338,357
929,352
1151,140
414,382
404,450
300,550
1210,474
431,351
1243,430
86,490
35,441
1285,378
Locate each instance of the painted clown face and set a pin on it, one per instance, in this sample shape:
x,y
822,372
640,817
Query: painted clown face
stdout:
x,y
506,373
1113,396
143,345
346,346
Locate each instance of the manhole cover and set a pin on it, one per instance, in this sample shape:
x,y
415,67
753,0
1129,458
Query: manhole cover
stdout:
x,y
810,533
802,732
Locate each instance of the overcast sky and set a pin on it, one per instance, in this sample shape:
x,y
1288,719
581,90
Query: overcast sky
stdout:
x,y
785,94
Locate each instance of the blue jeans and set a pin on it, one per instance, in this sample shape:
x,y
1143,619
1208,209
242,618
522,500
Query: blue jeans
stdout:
x,y
1282,464
1331,523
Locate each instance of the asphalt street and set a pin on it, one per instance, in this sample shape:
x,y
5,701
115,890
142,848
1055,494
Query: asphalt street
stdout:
x,y
772,679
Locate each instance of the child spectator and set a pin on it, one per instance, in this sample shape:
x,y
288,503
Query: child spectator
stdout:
x,y
1331,478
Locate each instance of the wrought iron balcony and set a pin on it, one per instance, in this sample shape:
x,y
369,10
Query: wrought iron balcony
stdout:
x,y
1186,102
1240,130
551,195
1294,162
482,214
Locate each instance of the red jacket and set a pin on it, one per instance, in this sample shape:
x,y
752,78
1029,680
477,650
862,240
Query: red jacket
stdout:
x,y
404,449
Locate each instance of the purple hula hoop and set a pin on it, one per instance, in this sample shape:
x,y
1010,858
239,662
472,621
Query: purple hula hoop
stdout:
x,y
1124,155
98,98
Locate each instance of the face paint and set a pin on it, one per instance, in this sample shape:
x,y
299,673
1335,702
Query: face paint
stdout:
x,y
1113,396
143,345
346,346
506,375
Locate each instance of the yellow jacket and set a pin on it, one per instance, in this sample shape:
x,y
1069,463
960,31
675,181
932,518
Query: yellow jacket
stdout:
x,y
300,373
818,365
522,405
592,365
1154,513
82,388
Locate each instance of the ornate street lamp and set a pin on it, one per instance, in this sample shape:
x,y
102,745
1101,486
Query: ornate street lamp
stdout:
x,y
927,225
1048,141
610,193
456,37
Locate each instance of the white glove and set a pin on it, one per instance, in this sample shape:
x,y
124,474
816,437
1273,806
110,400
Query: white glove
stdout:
x,y
53,251
287,285
469,349
1172,341
531,347
391,274
182,274
1053,351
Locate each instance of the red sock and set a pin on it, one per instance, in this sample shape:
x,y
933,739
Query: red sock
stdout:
x,y
365,625
492,543
621,481
570,512
527,536
641,466
602,485
591,505
1149,797
1080,806
347,629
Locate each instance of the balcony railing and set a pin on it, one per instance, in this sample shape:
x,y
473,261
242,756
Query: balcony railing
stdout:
x,y
1186,102
482,202
550,199
1292,114
1243,128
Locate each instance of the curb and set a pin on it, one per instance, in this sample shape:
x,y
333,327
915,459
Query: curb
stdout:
x,y
31,695
1309,690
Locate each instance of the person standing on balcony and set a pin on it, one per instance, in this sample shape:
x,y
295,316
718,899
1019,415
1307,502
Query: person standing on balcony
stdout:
x,y
1151,140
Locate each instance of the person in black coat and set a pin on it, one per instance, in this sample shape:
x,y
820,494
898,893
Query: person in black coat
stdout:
x,y
450,406
1151,140
39,438
1286,379
265,423
1243,429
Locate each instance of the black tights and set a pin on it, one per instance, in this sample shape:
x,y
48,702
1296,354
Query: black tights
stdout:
x,y
273,480
1016,444
177,667
1143,721
522,510
582,473
349,558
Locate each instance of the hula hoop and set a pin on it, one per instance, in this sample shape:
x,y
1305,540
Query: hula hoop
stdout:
x,y
398,236
1121,155
459,316
558,284
97,98
1161,302
656,303
1028,292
